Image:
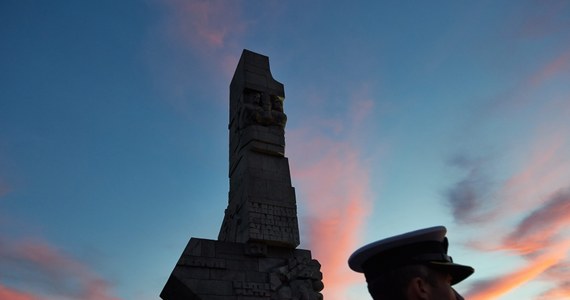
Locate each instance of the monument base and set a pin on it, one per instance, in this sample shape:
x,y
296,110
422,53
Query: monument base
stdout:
x,y
214,270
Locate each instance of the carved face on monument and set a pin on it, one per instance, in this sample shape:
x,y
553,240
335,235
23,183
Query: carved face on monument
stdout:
x,y
261,108
252,97
277,103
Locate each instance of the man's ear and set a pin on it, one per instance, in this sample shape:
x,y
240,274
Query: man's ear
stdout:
x,y
418,289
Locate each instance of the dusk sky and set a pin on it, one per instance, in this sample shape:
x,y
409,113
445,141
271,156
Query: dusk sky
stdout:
x,y
401,115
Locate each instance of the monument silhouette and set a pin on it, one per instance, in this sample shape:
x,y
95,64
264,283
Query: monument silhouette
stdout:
x,y
256,255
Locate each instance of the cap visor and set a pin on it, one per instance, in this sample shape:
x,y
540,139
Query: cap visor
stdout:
x,y
457,272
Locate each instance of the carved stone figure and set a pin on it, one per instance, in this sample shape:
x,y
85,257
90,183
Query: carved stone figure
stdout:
x,y
258,108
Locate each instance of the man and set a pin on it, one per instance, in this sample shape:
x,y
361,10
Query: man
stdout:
x,y
410,266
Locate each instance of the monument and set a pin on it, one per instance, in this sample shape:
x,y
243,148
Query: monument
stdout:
x,y
256,255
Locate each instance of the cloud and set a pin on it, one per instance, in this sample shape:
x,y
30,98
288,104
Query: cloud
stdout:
x,y
557,66
535,198
12,294
544,20
192,51
542,226
470,198
211,30
362,104
50,272
4,188
559,274
478,196
332,180
560,292
206,24
334,185
534,89
545,171
496,287
539,239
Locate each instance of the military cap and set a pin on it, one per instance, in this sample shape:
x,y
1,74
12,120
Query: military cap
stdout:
x,y
425,246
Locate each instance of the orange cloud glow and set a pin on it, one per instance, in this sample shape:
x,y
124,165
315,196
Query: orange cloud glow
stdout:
x,y
560,292
536,199
333,183
540,228
494,288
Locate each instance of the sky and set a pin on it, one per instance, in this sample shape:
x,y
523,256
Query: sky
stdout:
x,y
401,115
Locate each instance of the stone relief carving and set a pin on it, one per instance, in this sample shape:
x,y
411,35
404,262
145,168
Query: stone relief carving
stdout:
x,y
277,114
261,109
299,279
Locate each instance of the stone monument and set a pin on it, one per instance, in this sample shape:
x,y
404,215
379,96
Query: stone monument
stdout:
x,y
255,256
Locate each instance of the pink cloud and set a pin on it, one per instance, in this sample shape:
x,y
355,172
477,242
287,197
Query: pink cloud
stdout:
x,y
545,20
538,191
496,287
45,268
545,171
195,47
526,91
362,105
539,239
333,183
12,294
539,229
205,24
560,292
555,67
4,189
560,275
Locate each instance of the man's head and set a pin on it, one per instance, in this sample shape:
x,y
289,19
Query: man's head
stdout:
x,y
414,265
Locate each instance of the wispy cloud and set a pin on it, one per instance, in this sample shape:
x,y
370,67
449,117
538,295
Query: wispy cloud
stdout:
x,y
542,227
4,188
211,29
544,172
333,183
12,294
555,68
534,197
470,198
539,191
544,20
560,276
205,24
194,49
48,273
496,287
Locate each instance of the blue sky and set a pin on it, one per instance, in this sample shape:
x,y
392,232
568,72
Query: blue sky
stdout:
x,y
401,115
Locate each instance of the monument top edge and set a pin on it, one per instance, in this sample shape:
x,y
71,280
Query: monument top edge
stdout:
x,y
252,53
250,67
